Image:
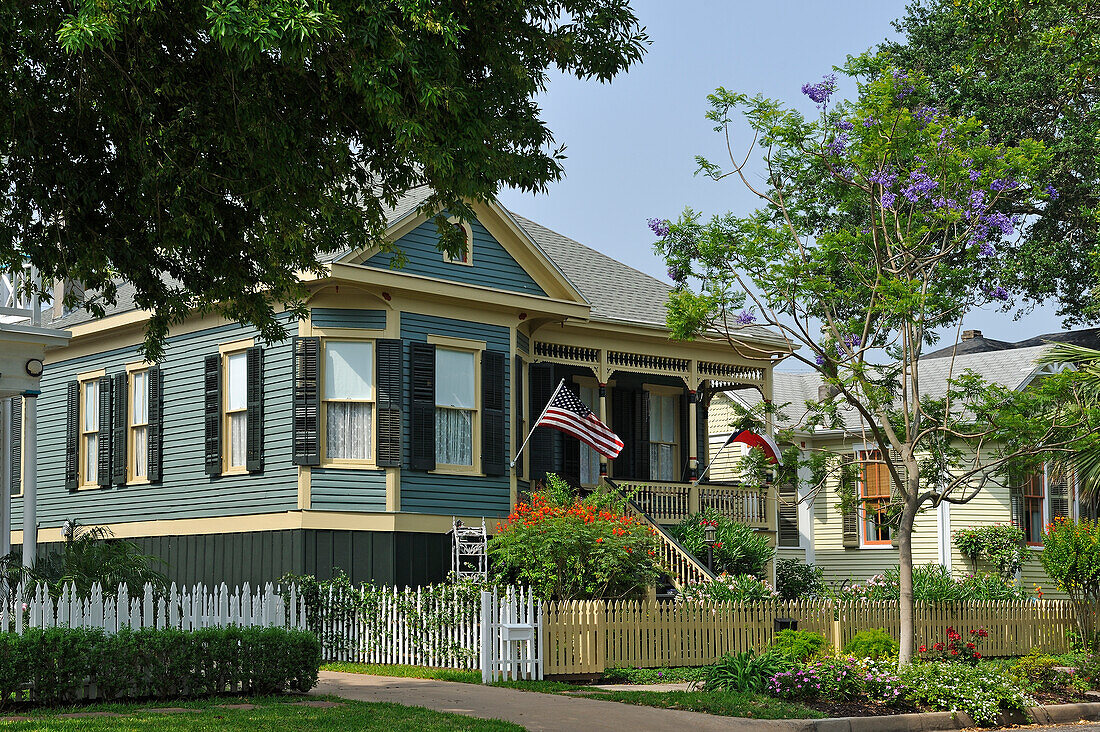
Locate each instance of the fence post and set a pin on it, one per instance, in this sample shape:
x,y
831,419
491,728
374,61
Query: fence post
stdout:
x,y
838,636
486,636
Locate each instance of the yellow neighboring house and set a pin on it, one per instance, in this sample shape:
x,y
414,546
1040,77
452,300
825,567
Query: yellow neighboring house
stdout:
x,y
811,527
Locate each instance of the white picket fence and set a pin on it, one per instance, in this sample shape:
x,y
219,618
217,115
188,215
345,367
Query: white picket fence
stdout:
x,y
189,609
511,638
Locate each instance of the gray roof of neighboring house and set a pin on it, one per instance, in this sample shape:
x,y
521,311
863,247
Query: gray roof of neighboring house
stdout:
x,y
1088,337
1010,368
614,290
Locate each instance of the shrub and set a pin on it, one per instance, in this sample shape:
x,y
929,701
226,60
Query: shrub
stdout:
x,y
92,555
738,549
1037,669
848,677
934,583
1002,545
666,675
795,579
798,645
982,691
567,548
873,643
56,663
955,649
728,588
744,672
1071,556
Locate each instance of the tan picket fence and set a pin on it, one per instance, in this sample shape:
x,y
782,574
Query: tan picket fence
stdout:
x,y
587,637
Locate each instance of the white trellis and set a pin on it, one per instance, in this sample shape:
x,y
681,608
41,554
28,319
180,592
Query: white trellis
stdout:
x,y
189,609
511,635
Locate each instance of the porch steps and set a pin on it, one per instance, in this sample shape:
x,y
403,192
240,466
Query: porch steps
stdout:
x,y
682,567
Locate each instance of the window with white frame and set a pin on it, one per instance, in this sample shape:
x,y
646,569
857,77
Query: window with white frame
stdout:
x,y
455,406
590,459
236,410
349,400
89,432
139,425
664,417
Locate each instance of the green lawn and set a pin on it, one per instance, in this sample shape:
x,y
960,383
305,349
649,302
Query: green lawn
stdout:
x,y
271,714
417,672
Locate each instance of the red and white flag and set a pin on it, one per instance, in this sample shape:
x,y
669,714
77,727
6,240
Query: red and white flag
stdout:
x,y
569,414
755,439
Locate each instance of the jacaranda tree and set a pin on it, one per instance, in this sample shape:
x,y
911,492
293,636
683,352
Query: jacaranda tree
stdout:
x,y
878,230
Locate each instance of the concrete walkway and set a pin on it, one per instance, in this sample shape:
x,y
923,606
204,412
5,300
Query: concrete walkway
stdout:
x,y
534,710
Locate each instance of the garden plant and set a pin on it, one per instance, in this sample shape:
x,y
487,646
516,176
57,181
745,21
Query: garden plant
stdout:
x,y
737,548
1071,556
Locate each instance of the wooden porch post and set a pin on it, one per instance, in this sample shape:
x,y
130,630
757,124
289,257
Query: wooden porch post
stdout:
x,y
693,451
603,418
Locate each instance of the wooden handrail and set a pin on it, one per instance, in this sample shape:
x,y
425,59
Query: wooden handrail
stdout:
x,y
681,564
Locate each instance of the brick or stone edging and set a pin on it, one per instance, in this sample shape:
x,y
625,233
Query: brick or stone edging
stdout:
x,y
929,721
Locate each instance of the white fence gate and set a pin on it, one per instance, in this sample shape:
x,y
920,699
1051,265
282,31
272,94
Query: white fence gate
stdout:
x,y
199,607
511,637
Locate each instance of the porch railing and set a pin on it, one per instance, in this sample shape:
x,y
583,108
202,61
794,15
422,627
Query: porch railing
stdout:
x,y
673,502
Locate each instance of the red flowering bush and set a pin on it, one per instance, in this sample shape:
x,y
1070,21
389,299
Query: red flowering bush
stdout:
x,y
570,548
956,649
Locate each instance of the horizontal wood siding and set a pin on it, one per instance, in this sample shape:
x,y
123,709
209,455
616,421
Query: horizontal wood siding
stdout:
x,y
492,265
427,492
348,318
523,343
334,489
186,491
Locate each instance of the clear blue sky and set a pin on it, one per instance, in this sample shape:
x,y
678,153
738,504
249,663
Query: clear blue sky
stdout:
x,y
631,143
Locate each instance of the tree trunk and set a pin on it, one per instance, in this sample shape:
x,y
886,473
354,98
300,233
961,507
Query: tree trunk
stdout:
x,y
905,577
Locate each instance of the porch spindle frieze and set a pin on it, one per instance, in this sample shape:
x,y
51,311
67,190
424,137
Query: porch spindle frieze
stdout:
x,y
561,353
647,363
733,373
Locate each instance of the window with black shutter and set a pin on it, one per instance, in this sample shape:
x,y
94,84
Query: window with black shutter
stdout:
x,y
15,446
390,373
571,448
119,423
788,516
622,421
212,413
72,435
494,450
105,425
155,430
517,408
254,398
306,401
541,445
641,436
850,520
422,406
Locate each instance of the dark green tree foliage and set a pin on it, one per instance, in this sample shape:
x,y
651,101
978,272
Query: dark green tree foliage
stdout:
x,y
1026,70
209,152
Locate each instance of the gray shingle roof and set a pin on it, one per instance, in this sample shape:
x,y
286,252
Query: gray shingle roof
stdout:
x,y
1010,368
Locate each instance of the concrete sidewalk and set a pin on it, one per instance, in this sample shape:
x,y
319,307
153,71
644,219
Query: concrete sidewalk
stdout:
x,y
534,710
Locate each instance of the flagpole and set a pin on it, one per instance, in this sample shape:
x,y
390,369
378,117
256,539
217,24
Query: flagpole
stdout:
x,y
713,460
536,424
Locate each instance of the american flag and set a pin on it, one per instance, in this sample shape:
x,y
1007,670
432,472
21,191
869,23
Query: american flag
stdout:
x,y
569,414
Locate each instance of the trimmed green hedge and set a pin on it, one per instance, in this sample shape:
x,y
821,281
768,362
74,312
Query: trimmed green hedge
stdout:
x,y
60,665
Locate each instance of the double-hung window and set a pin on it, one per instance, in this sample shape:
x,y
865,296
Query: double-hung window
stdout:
x,y
455,406
349,400
89,432
1034,498
139,425
874,487
236,410
664,417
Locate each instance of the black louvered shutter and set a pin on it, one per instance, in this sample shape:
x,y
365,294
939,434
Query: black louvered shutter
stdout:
x,y
1059,495
389,374
687,449
16,446
494,449
105,444
422,406
541,445
1016,503
118,428
571,448
155,431
850,518
306,401
788,516
254,400
72,435
212,411
622,421
702,436
641,435
517,407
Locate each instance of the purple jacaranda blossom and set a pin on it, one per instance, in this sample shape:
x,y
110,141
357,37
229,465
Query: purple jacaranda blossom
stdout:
x,y
999,293
884,178
852,340
887,199
998,220
1052,192
869,122
676,275
839,143
1003,184
821,91
846,172
920,186
845,125
745,318
659,227
976,199
925,114
985,249
974,175
819,359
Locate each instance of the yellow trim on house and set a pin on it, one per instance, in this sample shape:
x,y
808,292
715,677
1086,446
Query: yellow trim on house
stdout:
x,y
462,344
234,346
